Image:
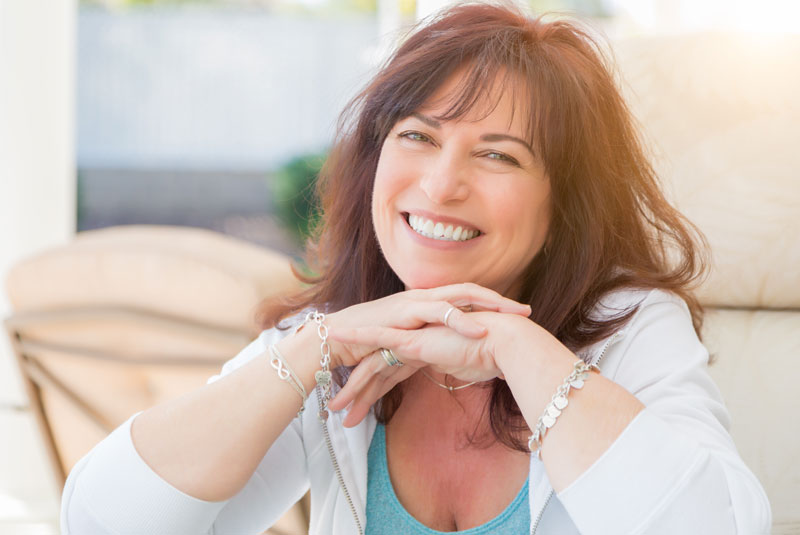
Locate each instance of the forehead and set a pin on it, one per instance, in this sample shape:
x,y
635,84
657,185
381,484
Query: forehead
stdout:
x,y
498,102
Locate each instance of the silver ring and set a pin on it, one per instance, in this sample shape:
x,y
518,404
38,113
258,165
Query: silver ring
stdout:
x,y
447,314
389,357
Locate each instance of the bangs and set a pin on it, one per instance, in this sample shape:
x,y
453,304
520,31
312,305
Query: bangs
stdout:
x,y
480,89
496,68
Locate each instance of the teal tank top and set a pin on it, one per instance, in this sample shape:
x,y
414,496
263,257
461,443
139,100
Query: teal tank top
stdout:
x,y
387,516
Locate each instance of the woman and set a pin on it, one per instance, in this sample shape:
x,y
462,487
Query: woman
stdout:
x,y
507,302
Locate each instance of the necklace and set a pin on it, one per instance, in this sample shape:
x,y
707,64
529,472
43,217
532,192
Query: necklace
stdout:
x,y
450,388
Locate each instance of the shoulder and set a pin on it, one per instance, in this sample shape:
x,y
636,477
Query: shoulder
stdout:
x,y
658,317
657,342
625,299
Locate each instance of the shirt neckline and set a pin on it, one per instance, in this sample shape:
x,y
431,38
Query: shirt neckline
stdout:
x,y
487,527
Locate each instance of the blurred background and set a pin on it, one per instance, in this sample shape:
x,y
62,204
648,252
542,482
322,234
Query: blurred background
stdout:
x,y
216,115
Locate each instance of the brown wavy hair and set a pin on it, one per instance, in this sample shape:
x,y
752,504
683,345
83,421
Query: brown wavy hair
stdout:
x,y
611,225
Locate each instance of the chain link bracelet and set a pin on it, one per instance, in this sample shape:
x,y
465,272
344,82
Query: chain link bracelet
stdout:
x,y
324,376
557,404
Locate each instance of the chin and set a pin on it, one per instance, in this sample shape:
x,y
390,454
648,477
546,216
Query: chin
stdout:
x,y
421,281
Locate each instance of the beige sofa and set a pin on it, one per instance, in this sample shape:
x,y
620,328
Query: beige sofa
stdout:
x,y
124,318
722,113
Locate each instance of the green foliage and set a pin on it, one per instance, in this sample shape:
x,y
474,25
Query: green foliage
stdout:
x,y
587,8
293,195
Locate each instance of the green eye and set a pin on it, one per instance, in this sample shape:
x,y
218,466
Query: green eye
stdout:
x,y
414,136
499,156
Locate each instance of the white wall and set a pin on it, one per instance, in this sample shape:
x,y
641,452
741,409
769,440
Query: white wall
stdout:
x,y
37,210
37,170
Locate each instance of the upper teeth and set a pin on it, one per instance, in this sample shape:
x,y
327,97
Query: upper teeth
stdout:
x,y
440,231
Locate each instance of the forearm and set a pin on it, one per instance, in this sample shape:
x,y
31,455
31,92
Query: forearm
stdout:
x,y
596,415
209,442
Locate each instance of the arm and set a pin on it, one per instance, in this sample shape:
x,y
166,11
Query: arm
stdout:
x,y
176,467
650,451
175,470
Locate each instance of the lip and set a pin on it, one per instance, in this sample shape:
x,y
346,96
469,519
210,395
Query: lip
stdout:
x,y
434,243
443,219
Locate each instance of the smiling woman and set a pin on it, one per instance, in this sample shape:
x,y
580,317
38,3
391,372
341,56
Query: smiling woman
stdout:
x,y
474,177
501,336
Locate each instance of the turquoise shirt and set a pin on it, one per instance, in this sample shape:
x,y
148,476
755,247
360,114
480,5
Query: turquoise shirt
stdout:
x,y
387,516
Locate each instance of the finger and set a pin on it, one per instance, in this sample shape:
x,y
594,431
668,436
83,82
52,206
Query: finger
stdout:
x,y
371,393
371,336
473,294
461,322
365,399
358,379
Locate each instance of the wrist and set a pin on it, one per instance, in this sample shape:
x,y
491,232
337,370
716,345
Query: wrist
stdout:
x,y
302,352
514,339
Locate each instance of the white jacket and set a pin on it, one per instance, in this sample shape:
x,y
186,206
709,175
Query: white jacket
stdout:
x,y
673,470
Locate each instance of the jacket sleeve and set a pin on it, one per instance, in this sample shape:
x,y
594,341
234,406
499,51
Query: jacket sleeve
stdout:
x,y
675,468
111,490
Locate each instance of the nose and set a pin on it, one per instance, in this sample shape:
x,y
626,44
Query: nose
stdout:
x,y
445,180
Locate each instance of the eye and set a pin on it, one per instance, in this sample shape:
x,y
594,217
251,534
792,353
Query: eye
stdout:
x,y
414,136
500,157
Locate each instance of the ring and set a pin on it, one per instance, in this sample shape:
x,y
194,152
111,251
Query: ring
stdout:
x,y
447,314
389,357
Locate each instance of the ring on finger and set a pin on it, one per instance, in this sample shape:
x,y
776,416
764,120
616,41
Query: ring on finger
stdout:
x,y
447,314
390,358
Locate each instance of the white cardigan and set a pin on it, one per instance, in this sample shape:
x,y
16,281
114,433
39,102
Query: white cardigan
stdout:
x,y
674,469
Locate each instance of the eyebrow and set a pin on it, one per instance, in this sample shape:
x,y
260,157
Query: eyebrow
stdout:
x,y
433,123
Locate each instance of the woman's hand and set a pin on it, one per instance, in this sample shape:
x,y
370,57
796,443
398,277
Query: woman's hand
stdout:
x,y
414,309
444,350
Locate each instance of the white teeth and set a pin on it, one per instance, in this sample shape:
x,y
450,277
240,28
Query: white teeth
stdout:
x,y
438,231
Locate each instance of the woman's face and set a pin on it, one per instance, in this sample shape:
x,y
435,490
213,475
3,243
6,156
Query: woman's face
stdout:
x,y
474,174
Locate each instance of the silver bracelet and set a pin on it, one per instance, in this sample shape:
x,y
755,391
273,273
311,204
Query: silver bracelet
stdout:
x,y
278,362
557,403
324,376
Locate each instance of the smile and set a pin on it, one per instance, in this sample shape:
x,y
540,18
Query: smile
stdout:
x,y
441,231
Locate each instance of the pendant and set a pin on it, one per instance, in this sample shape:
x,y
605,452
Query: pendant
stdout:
x,y
560,402
548,421
323,378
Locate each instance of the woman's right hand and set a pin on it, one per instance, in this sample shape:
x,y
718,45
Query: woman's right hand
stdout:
x,y
413,309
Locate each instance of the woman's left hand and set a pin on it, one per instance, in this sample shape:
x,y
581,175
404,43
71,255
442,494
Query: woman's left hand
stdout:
x,y
446,351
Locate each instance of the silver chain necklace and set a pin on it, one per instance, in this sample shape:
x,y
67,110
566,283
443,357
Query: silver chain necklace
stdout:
x,y
450,388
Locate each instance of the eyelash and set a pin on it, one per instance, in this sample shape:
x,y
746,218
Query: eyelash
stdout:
x,y
503,157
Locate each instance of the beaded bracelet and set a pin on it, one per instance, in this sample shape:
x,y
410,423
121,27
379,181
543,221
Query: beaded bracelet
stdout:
x,y
557,403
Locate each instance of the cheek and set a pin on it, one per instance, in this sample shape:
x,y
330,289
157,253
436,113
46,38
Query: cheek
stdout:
x,y
392,177
526,209
526,219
